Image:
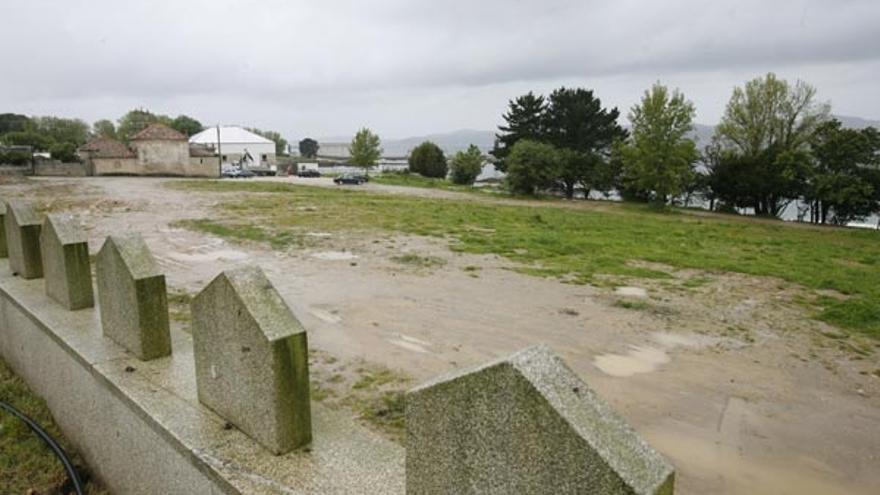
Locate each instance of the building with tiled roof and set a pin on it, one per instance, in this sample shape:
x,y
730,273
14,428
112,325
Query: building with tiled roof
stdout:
x,y
158,132
155,150
104,147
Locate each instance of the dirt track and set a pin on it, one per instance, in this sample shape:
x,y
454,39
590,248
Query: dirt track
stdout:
x,y
731,380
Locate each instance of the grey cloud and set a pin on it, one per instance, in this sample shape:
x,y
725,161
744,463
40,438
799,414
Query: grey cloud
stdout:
x,y
322,61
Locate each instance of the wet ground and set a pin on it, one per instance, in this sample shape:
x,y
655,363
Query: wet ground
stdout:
x,y
725,374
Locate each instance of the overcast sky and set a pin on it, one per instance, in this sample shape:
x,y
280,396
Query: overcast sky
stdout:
x,y
411,67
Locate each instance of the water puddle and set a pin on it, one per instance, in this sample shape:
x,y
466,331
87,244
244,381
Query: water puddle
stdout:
x,y
647,358
639,359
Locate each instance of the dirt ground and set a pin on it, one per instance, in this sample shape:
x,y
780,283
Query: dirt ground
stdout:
x,y
725,374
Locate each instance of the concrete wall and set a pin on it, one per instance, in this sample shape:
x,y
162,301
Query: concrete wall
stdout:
x,y
159,156
190,167
51,168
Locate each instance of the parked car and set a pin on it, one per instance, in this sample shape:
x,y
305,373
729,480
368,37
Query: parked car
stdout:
x,y
237,173
308,173
356,179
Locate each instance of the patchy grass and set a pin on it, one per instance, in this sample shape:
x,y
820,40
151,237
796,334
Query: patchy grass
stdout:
x,y
374,393
416,180
25,462
577,244
421,262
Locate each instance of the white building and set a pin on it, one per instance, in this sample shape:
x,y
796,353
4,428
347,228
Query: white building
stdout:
x,y
236,143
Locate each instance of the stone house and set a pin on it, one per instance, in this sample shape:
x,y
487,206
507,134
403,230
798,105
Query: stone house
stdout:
x,y
155,150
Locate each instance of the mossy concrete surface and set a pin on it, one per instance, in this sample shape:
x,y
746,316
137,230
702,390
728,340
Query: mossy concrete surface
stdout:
x,y
525,424
22,225
251,359
132,297
66,267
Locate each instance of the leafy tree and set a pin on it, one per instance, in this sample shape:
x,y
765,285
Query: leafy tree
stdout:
x,y
65,152
280,142
844,184
768,124
136,120
532,167
187,125
13,122
104,128
308,148
60,130
27,138
427,159
659,157
574,120
466,165
365,149
524,120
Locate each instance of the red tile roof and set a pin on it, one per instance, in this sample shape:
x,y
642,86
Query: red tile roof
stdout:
x,y
158,131
103,147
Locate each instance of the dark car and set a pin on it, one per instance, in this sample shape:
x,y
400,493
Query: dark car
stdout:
x,y
356,179
308,173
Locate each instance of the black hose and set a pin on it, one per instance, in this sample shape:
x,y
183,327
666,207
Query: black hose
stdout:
x,y
56,449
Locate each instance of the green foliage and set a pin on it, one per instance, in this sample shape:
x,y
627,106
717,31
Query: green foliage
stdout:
x,y
844,182
187,125
280,142
15,157
308,148
573,121
579,243
768,124
466,166
60,131
137,120
659,157
365,149
27,138
65,152
532,167
427,159
13,122
524,120
104,128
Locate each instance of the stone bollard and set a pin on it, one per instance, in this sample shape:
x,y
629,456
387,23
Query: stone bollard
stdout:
x,y
22,226
4,253
65,253
132,297
251,358
524,424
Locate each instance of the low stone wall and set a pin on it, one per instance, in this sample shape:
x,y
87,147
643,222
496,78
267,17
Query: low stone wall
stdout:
x,y
194,167
52,168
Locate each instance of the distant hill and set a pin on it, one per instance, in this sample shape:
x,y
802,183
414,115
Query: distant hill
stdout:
x,y
454,141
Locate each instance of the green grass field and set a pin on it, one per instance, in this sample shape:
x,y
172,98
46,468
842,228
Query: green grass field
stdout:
x,y
415,180
576,243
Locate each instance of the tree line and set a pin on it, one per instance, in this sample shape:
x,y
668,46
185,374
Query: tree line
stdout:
x,y
62,136
775,144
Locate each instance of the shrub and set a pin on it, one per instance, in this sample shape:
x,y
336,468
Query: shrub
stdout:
x,y
532,167
466,166
427,159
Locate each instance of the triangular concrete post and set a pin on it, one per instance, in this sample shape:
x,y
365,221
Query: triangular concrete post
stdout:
x,y
22,225
66,267
132,297
251,358
524,424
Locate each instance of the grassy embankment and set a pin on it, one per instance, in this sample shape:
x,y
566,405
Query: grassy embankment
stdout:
x,y
415,180
25,461
578,244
